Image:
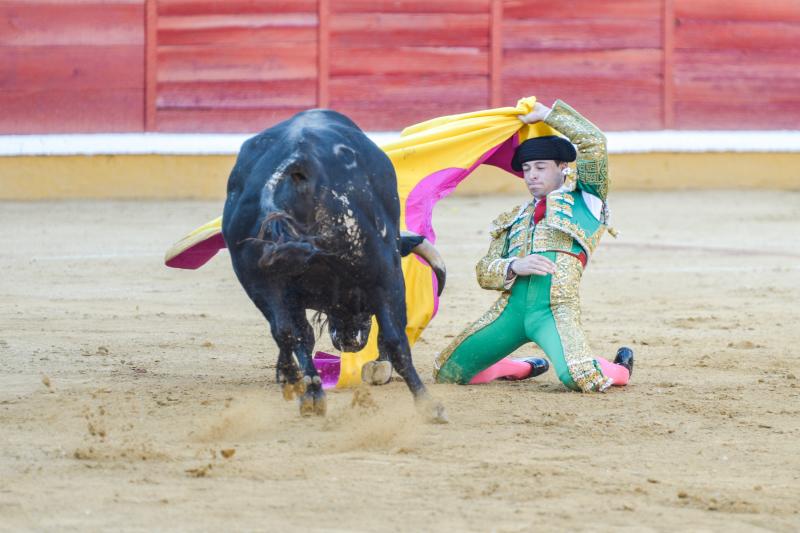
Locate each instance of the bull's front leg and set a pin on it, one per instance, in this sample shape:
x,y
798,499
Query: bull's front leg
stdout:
x,y
287,373
393,344
379,371
313,400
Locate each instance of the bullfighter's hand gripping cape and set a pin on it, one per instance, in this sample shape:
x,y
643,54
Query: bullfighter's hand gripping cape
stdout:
x,y
431,159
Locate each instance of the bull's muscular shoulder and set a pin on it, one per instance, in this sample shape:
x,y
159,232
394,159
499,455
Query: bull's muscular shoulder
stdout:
x,y
504,221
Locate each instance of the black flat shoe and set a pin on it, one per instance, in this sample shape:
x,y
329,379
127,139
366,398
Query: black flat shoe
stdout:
x,y
538,367
625,358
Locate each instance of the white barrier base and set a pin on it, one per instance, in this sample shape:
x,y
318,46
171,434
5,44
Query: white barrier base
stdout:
x,y
623,142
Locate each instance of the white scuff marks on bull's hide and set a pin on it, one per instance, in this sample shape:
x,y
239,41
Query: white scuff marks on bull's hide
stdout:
x,y
382,227
353,232
342,226
348,154
280,172
341,198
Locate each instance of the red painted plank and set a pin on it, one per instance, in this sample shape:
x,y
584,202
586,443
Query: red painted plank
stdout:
x,y
735,64
391,102
581,34
641,110
725,117
741,35
406,60
222,120
37,68
376,118
636,92
564,10
742,91
619,65
71,111
236,63
71,23
236,36
237,29
410,6
398,29
236,21
393,90
743,10
197,7
238,94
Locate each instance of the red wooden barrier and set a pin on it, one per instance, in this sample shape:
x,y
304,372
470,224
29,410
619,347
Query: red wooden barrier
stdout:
x,y
72,66
234,65
737,66
242,65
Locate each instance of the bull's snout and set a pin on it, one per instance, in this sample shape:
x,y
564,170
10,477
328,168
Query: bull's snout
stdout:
x,y
350,339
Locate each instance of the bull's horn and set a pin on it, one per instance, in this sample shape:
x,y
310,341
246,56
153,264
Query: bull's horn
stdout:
x,y
429,253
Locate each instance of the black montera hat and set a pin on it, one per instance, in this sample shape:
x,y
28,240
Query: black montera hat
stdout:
x,y
543,148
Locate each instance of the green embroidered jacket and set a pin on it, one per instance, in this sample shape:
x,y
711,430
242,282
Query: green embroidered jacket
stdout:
x,y
568,224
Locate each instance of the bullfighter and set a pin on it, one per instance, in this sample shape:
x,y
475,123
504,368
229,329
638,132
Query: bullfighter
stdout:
x,y
536,259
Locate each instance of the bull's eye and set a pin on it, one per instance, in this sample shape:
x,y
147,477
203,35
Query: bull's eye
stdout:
x,y
299,177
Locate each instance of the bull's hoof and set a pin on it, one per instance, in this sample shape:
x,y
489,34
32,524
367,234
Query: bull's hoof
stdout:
x,y
288,392
292,390
313,402
376,372
433,410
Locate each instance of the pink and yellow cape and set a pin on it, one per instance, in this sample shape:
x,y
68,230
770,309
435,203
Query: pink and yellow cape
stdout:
x,y
431,159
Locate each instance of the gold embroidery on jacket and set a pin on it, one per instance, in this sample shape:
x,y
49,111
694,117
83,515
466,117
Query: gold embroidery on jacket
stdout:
x,y
547,239
587,242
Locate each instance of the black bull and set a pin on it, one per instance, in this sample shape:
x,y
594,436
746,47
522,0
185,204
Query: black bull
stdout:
x,y
312,222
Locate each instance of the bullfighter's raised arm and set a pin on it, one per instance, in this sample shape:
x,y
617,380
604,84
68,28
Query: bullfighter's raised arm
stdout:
x,y
592,161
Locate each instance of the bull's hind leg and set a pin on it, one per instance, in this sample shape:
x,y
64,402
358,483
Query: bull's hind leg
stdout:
x,y
393,343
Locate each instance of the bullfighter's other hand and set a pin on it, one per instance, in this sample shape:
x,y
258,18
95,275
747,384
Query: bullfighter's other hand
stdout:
x,y
533,265
538,114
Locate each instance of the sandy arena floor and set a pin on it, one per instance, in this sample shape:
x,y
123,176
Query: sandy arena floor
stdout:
x,y
126,386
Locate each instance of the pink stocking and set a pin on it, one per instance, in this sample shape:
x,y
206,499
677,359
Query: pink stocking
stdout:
x,y
503,368
618,373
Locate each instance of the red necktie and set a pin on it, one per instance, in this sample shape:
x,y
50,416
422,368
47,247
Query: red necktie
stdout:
x,y
539,210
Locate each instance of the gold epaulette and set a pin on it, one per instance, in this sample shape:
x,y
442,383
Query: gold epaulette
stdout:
x,y
505,220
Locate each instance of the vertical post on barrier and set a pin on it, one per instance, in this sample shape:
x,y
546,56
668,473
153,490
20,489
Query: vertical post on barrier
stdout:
x,y
496,53
323,53
668,96
150,64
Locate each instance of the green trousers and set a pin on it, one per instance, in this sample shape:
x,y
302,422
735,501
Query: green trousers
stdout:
x,y
540,309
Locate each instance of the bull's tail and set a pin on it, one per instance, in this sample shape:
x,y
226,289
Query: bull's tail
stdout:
x,y
288,245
